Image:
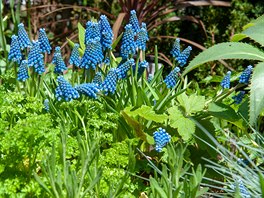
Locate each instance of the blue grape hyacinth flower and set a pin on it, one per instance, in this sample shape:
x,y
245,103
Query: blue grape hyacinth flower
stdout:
x,y
123,68
98,78
15,54
238,98
46,104
172,78
23,38
110,82
36,59
128,44
65,90
75,56
60,65
161,138
176,49
57,51
93,54
88,89
142,66
44,41
183,57
245,76
106,33
22,74
142,39
92,31
226,80
133,20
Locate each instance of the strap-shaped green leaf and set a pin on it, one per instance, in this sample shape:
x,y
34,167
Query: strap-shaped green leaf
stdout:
x,y
226,51
256,93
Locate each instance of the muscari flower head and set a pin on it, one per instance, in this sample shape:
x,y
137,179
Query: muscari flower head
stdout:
x,y
106,33
65,90
183,57
92,30
161,138
88,89
60,65
23,38
142,66
245,76
242,189
98,78
172,78
124,67
44,41
238,98
142,38
93,54
128,45
74,59
133,20
176,49
110,82
36,59
57,51
46,104
150,78
23,71
226,81
15,54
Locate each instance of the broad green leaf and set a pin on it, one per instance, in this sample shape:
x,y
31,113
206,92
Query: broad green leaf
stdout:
x,y
238,37
184,125
222,111
147,113
154,185
225,51
81,34
191,104
256,32
256,102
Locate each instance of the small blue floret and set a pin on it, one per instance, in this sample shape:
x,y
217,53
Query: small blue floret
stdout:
x,y
161,138
23,71
172,78
245,76
15,54
226,81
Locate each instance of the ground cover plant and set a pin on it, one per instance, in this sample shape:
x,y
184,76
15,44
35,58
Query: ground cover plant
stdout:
x,y
108,126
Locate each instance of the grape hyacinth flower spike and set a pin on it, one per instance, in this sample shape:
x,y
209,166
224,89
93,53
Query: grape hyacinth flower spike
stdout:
x,y
176,49
92,30
124,67
23,38
106,33
142,39
75,56
44,41
142,66
57,51
65,90
184,55
245,76
238,98
128,45
23,71
110,82
161,138
93,54
88,89
172,78
226,81
46,104
36,59
98,78
133,20
15,54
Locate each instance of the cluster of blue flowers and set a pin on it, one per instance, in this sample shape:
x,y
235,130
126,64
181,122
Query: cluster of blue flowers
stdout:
x,y
179,56
161,138
172,78
123,68
75,56
35,57
243,79
106,33
65,90
128,46
88,89
23,71
98,78
109,84
242,189
60,65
